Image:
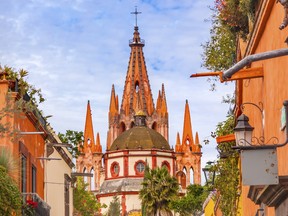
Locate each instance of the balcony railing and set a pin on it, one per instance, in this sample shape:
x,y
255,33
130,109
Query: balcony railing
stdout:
x,y
131,42
41,207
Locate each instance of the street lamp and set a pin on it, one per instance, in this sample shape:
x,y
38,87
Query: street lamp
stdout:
x,y
209,173
243,131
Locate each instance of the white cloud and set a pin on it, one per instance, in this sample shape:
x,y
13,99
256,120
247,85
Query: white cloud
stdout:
x,y
75,50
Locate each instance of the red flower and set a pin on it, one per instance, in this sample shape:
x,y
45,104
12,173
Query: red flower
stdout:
x,y
32,203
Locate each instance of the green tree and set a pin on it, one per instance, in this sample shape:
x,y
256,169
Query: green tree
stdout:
x,y
74,138
219,52
230,21
10,196
114,207
85,202
192,202
158,190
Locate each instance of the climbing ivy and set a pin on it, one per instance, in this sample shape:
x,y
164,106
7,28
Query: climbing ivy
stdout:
x,y
227,169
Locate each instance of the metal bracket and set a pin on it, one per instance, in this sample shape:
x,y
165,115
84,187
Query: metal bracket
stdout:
x,y
267,145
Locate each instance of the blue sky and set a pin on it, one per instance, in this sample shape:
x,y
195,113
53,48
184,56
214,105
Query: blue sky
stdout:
x,y
75,50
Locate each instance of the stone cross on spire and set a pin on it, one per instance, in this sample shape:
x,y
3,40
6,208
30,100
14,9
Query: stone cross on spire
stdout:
x,y
136,13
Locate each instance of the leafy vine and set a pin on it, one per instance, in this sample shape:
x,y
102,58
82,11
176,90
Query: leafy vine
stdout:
x,y
227,169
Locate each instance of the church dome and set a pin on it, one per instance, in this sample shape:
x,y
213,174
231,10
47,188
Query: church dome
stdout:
x,y
140,137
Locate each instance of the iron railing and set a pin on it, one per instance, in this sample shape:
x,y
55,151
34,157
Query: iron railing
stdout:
x,y
41,207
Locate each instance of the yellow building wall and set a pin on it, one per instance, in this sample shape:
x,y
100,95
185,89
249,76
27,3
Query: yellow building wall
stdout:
x,y
209,208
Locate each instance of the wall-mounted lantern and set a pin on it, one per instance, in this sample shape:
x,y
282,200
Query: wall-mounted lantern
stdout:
x,y
209,173
243,131
258,161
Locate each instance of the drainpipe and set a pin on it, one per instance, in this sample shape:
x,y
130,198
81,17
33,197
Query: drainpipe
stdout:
x,y
252,58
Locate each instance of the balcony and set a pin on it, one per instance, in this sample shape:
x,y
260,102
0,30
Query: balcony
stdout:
x,y
136,42
40,206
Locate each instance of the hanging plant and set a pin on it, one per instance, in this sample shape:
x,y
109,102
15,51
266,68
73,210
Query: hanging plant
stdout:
x,y
232,14
18,83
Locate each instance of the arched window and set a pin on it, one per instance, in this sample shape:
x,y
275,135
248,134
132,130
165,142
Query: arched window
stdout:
x,y
139,167
92,185
166,165
122,127
154,126
115,169
132,124
136,86
85,178
181,178
89,141
191,175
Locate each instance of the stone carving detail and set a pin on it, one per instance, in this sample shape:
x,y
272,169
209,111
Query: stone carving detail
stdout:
x,y
285,20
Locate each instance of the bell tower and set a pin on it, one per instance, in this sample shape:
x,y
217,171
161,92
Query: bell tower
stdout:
x,y
137,92
90,158
188,153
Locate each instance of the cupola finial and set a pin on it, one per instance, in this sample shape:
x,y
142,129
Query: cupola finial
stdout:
x,y
136,13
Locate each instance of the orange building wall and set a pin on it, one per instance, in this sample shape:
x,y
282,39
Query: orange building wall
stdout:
x,y
32,147
271,91
35,147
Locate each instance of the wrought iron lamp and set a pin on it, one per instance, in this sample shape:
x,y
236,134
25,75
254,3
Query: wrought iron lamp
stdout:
x,y
209,173
258,160
243,131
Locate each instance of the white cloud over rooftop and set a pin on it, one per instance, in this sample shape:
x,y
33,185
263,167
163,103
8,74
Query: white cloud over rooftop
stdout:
x,y
75,50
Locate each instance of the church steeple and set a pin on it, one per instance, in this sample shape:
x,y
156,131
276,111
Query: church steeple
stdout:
x,y
89,141
188,142
187,138
137,80
98,147
113,109
113,118
161,106
178,143
90,158
189,153
137,95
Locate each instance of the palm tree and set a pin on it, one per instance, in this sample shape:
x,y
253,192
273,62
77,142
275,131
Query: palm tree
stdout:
x,y
159,189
